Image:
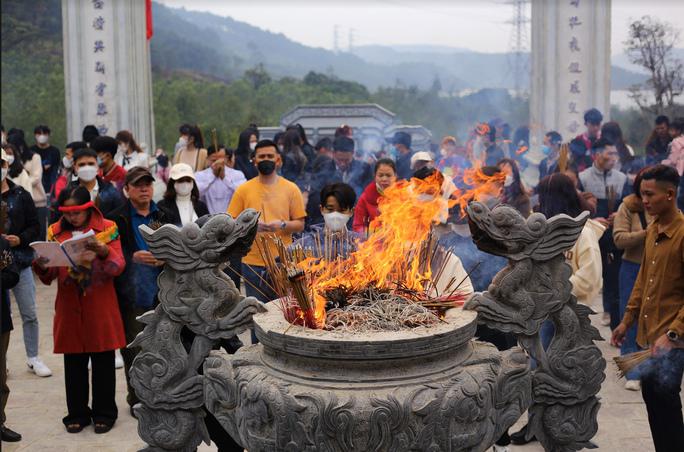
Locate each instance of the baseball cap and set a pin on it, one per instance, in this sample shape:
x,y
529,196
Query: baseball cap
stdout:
x,y
421,156
181,170
136,174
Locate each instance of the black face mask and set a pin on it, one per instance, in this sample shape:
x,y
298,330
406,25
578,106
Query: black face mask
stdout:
x,y
266,167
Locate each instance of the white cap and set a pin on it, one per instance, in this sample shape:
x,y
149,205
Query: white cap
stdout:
x,y
421,156
181,170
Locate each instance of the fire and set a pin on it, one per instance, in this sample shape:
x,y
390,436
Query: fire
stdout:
x,y
391,256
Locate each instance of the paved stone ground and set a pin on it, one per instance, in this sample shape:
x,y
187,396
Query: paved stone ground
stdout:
x,y
37,405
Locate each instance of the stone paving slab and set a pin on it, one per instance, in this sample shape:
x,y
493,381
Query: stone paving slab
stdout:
x,y
36,405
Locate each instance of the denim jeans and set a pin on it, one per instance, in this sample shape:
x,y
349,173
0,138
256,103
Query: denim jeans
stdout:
x,y
628,274
25,295
255,286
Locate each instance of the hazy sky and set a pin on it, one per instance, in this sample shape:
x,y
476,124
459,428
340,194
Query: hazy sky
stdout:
x,y
474,24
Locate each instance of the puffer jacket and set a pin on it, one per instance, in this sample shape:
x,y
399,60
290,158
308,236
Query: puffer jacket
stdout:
x,y
585,259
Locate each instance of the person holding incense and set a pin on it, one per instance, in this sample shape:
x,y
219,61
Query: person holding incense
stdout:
x,y
87,323
281,207
657,301
609,186
629,233
332,239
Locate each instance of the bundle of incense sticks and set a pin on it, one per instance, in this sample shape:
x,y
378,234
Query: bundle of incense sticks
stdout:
x,y
564,157
629,362
611,196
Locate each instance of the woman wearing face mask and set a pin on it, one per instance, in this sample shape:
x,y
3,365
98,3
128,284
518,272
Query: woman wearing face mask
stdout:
x,y
181,204
129,154
243,153
34,167
16,172
514,193
66,173
87,324
337,208
367,208
191,148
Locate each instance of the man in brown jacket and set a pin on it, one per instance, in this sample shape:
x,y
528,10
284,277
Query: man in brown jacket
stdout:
x,y
658,302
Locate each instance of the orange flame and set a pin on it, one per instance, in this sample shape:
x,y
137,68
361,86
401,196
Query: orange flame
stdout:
x,y
390,257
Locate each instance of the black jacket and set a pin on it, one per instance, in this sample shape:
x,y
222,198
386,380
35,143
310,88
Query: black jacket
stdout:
x,y
108,198
404,170
10,278
125,283
359,175
172,215
23,222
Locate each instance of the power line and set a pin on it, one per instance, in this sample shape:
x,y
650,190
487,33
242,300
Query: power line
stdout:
x,y
518,46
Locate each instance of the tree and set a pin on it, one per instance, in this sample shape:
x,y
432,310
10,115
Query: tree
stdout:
x,y
650,45
258,76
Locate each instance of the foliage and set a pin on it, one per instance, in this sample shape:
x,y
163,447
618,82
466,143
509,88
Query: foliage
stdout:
x,y
650,45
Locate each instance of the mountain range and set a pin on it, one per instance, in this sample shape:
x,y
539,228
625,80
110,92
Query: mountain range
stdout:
x,y
223,48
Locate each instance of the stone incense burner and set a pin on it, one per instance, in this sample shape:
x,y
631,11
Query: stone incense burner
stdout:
x,y
426,389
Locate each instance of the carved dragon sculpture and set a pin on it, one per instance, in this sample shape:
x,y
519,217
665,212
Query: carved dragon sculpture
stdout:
x,y
196,294
535,287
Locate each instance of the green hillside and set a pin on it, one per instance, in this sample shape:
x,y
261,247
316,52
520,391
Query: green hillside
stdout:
x,y
197,82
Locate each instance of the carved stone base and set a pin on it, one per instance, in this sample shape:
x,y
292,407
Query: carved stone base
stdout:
x,y
309,390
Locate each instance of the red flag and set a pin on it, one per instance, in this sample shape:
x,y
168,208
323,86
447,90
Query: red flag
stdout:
x,y
148,14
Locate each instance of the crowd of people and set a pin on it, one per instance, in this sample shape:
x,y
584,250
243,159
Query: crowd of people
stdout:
x,y
631,250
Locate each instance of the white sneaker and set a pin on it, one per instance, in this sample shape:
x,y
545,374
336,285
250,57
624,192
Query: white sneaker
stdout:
x,y
496,448
633,385
118,359
605,320
38,367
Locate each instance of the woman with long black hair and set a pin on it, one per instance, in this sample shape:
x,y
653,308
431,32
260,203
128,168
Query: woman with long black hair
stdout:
x,y
514,193
243,153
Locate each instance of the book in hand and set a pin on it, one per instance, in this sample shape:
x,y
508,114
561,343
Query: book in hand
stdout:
x,y
65,254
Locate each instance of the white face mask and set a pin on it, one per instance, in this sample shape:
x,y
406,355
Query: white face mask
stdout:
x,y
4,173
252,145
42,139
336,221
67,162
183,188
182,142
10,160
87,173
509,181
443,152
122,148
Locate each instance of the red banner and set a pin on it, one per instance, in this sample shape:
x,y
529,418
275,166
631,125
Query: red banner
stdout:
x,y
148,13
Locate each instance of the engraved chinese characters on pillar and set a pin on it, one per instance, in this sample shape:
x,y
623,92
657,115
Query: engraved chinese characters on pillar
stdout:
x,y
99,34
574,112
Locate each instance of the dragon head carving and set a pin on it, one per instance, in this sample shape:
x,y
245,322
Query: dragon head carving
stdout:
x,y
204,244
504,232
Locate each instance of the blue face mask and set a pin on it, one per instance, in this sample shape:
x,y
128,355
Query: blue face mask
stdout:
x,y
393,152
99,161
546,149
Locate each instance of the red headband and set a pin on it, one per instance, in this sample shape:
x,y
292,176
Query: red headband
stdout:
x,y
80,208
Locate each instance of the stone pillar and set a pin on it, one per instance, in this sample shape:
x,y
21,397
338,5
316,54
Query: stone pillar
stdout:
x,y
570,65
107,75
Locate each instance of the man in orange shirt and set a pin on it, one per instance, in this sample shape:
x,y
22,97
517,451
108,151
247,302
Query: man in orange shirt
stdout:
x,y
657,300
282,211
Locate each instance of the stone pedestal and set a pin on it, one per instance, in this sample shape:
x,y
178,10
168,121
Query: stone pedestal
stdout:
x,y
570,65
108,80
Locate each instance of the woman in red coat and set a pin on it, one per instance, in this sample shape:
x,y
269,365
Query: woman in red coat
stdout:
x,y
87,322
367,208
